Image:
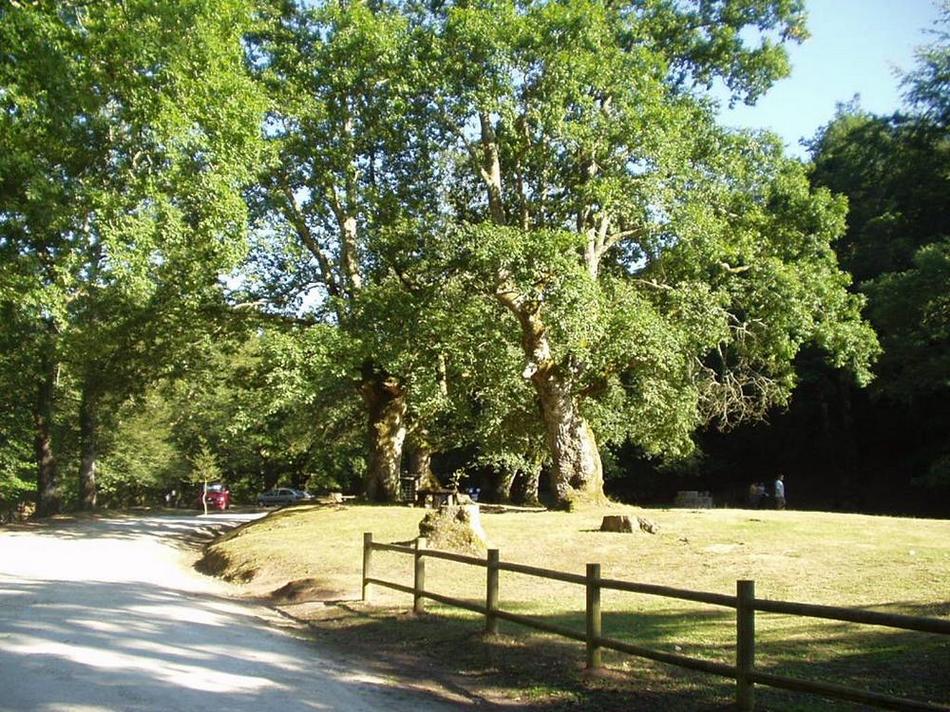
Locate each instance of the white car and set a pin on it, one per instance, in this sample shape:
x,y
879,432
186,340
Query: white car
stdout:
x,y
282,495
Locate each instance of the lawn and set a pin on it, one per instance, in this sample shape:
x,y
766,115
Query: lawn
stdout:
x,y
884,563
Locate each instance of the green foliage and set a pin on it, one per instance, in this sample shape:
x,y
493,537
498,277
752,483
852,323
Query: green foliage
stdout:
x,y
304,389
458,197
912,310
204,466
141,459
563,157
273,412
882,450
894,171
17,469
697,263
927,87
127,132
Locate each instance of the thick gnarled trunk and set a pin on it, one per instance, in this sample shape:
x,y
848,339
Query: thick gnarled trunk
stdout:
x,y
502,484
576,470
418,452
88,436
385,401
577,474
522,485
49,494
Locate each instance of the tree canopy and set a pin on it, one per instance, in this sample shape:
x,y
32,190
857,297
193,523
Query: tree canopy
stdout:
x,y
334,240
558,170
127,132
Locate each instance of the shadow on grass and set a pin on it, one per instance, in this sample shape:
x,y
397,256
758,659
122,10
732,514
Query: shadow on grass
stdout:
x,y
534,672
547,673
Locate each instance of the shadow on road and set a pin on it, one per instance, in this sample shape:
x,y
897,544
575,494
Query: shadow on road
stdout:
x,y
67,643
170,526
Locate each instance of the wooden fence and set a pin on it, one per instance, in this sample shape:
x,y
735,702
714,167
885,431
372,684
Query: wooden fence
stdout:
x,y
744,602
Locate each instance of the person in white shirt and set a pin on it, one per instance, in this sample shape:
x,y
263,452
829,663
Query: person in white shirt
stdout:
x,y
780,492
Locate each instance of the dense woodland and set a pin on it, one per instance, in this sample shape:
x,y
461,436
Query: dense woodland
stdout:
x,y
507,245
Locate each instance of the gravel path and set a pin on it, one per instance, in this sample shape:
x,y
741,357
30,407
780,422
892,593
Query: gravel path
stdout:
x,y
106,615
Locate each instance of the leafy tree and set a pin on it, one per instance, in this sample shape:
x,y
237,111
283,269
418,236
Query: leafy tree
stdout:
x,y
557,170
927,87
141,459
352,163
265,401
891,169
912,311
657,271
17,462
204,469
895,171
883,448
126,132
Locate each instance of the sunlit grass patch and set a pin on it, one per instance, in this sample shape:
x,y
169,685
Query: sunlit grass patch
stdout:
x,y
885,563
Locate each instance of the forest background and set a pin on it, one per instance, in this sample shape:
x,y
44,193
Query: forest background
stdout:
x,y
334,244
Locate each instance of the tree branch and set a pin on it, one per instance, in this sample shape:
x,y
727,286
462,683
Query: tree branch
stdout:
x,y
299,221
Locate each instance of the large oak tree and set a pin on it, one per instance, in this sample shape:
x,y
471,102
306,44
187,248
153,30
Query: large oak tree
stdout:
x,y
657,270
561,161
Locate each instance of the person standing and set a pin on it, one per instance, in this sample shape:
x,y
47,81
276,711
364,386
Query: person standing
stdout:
x,y
780,492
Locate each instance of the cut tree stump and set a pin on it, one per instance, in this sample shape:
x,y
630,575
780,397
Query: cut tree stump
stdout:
x,y
623,524
617,523
455,527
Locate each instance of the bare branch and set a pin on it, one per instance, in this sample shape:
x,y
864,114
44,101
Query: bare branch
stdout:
x,y
653,283
735,270
299,221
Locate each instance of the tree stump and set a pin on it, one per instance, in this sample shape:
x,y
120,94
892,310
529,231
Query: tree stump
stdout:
x,y
623,524
455,527
617,523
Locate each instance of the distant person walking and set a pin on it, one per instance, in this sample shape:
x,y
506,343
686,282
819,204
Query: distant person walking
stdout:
x,y
757,494
780,492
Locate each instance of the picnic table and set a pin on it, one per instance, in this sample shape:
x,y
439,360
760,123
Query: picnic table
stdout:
x,y
436,497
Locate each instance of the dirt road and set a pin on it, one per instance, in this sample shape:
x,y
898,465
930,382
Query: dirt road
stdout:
x,y
106,615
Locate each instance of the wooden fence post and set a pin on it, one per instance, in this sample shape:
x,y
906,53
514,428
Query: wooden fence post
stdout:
x,y
745,645
367,562
594,622
419,577
491,594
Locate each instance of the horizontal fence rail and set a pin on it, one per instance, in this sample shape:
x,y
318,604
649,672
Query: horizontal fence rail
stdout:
x,y
851,615
744,603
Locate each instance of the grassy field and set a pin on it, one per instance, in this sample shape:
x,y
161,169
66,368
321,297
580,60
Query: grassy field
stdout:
x,y
883,563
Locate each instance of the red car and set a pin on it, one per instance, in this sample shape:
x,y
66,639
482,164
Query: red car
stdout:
x,y
217,497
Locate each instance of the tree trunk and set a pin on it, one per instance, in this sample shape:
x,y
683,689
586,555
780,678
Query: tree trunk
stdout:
x,y
419,459
524,488
502,482
49,491
491,169
385,401
88,436
348,254
577,474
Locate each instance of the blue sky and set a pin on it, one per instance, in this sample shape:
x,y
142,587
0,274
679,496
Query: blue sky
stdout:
x,y
855,48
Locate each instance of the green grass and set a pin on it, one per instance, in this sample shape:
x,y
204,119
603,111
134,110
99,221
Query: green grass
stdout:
x,y
884,563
